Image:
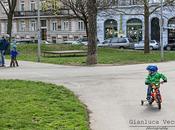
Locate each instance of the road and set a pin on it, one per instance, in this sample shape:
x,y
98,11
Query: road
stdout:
x,y
111,93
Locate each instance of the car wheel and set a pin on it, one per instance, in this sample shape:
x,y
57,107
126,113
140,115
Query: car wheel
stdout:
x,y
151,48
168,48
121,47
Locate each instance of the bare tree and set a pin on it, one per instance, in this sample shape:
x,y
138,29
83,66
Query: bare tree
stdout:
x,y
9,10
148,10
86,10
79,9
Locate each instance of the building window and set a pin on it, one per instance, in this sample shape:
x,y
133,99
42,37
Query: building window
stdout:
x,y
111,29
155,1
32,25
43,23
3,27
171,30
65,38
22,26
32,5
75,37
59,27
54,25
134,2
54,39
115,2
134,29
66,25
81,26
22,5
155,29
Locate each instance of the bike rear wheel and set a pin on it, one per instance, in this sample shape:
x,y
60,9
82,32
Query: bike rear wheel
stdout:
x,y
142,102
159,105
159,101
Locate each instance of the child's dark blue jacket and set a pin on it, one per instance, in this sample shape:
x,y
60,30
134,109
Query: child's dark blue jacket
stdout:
x,y
13,53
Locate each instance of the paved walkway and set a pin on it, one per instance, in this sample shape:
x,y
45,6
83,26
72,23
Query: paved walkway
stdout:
x,y
112,93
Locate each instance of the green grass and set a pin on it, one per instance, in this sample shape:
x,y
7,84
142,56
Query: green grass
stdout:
x,y
120,57
28,52
27,105
105,55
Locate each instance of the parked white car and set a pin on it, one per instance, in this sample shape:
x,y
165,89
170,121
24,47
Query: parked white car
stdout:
x,y
46,42
154,45
81,41
122,42
105,43
68,42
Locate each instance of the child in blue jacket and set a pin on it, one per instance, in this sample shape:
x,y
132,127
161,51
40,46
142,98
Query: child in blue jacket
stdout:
x,y
13,55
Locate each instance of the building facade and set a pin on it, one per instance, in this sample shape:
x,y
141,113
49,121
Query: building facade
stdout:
x,y
55,28
112,23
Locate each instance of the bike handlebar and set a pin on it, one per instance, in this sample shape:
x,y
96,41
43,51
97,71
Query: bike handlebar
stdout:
x,y
154,85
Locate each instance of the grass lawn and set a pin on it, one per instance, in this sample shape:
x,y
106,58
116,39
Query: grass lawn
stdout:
x,y
27,105
105,55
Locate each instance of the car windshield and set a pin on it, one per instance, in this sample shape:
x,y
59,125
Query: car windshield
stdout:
x,y
130,40
82,39
141,42
122,40
152,41
114,40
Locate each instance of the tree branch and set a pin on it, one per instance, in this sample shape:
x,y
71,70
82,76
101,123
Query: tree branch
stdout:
x,y
159,6
9,4
4,8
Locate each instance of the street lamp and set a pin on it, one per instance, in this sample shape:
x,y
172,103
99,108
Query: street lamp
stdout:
x,y
39,33
161,32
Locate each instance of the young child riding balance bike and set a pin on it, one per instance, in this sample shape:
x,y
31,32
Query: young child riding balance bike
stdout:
x,y
153,80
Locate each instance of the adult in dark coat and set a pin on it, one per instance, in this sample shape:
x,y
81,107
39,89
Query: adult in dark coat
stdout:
x,y
4,44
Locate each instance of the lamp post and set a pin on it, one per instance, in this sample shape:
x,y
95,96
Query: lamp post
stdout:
x,y
161,33
39,33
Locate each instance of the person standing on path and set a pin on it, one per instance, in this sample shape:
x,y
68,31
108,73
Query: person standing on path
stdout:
x,y
4,44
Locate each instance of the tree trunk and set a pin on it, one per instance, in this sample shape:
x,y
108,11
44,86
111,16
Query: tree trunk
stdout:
x,y
146,31
9,25
9,12
92,32
86,27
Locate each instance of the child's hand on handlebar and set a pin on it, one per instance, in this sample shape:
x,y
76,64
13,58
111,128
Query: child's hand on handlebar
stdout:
x,y
162,82
153,86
